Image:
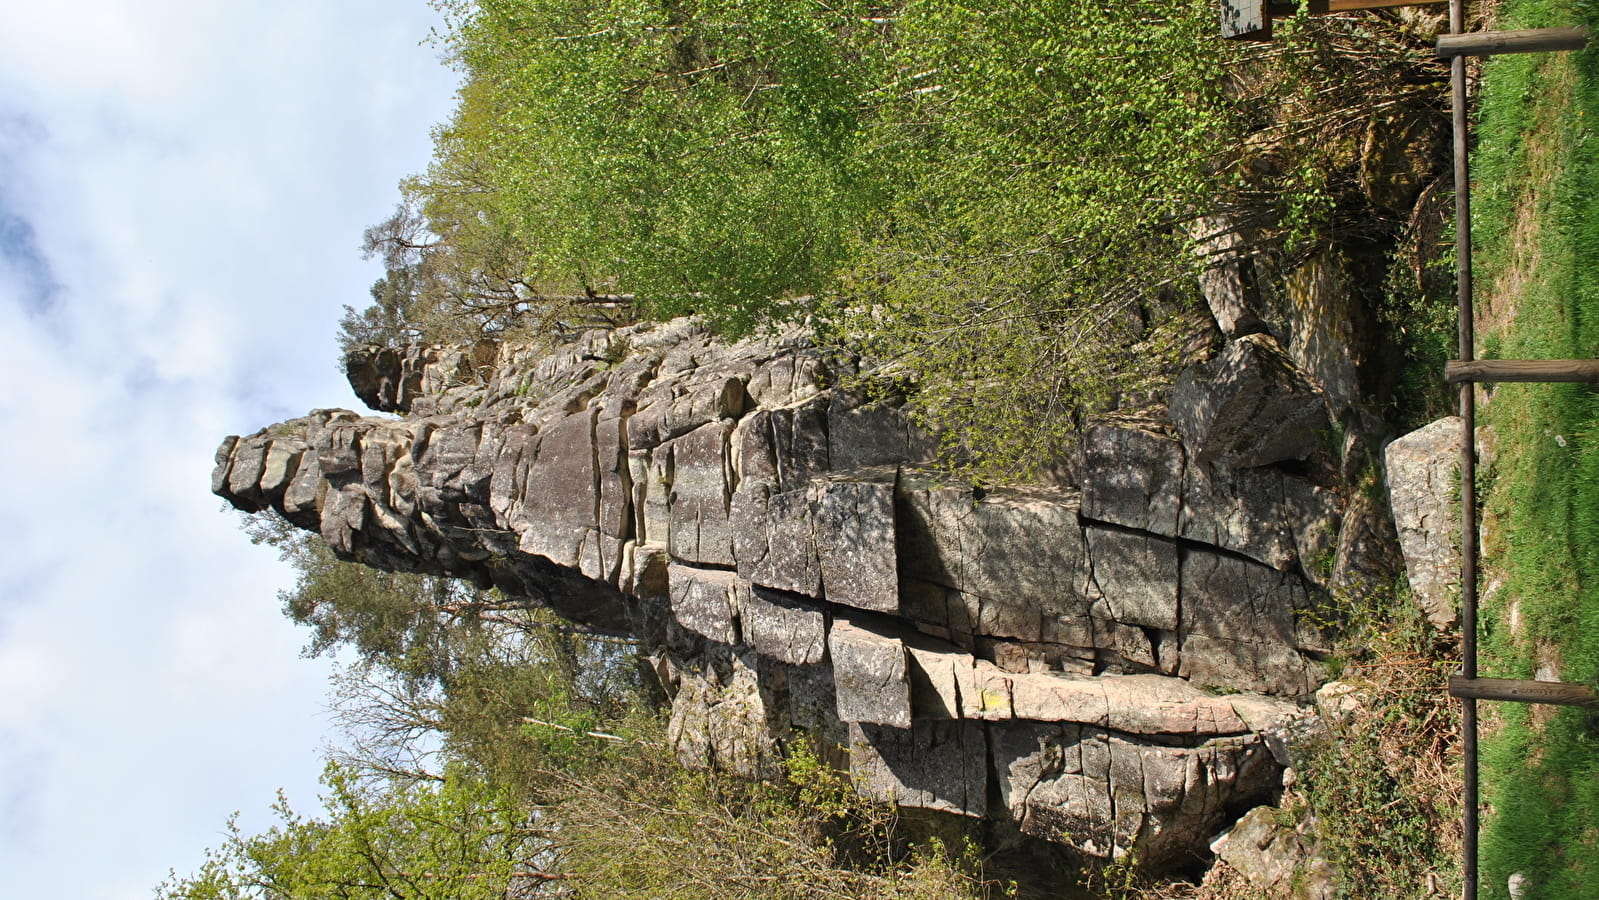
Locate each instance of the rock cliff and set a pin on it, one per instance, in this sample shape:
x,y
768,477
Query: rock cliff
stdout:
x,y
1108,664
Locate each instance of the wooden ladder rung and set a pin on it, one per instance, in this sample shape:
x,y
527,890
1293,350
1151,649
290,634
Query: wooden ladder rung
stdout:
x,y
1528,370
1487,43
1551,692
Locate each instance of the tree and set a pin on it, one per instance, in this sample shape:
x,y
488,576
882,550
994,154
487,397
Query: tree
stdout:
x,y
414,625
444,669
629,823
1004,189
457,838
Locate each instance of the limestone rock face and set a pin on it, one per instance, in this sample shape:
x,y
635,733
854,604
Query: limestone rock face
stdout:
x,y
1228,280
1423,489
1106,664
1277,858
1250,406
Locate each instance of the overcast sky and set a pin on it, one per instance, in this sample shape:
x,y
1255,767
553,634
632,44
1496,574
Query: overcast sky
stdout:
x,y
183,185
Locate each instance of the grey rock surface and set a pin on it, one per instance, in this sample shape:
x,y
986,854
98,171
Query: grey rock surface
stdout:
x,y
1278,857
1423,491
1227,281
1108,663
1250,406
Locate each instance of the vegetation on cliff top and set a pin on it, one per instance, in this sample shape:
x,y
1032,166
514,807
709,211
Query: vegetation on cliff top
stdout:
x,y
1013,190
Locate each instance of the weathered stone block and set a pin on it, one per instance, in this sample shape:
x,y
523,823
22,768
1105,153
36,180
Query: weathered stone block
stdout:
x,y
558,493
789,379
1231,664
936,676
1314,516
879,433
855,543
1225,596
1132,476
278,468
1107,795
1241,510
724,719
677,407
701,494
507,482
783,627
244,476
1241,625
938,765
614,479
650,472
790,561
1250,406
870,674
446,454
302,499
1136,574
1228,283
989,549
1423,487
704,601
1275,857
1325,297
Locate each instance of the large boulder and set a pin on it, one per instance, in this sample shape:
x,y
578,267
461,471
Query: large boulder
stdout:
x,y
1423,473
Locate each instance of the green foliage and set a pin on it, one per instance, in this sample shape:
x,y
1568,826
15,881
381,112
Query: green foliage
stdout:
x,y
1382,782
391,617
649,829
620,819
442,662
421,626
1006,191
683,152
454,839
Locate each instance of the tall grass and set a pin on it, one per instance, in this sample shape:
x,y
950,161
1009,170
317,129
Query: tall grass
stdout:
x,y
1537,225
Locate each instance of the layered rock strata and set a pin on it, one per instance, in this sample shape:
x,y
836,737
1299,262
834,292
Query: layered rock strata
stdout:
x,y
1110,665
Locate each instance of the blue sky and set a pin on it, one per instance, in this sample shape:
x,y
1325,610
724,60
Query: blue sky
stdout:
x,y
183,186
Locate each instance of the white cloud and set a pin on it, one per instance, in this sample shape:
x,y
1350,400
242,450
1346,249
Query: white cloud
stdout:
x,y
195,176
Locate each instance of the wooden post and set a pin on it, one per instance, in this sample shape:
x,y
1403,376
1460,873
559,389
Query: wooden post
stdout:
x,y
1337,6
1522,370
1549,692
1466,320
1281,9
1488,43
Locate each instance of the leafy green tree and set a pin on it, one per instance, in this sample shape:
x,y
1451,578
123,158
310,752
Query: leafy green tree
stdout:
x,y
457,839
444,670
952,189
627,823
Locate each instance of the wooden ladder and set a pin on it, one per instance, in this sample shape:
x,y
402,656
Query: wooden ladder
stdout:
x,y
1466,372
1251,20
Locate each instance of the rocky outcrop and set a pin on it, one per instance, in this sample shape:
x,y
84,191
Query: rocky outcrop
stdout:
x,y
1110,664
1280,858
1423,474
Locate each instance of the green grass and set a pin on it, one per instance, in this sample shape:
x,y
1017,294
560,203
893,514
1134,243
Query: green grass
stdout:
x,y
1536,218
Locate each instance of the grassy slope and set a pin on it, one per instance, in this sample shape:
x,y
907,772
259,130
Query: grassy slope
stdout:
x,y
1537,221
